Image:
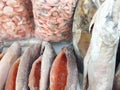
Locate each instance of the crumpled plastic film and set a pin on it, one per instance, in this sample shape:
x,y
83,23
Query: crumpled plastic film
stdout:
x,y
53,19
15,21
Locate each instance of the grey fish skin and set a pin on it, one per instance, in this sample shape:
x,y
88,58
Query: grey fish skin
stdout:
x,y
72,78
13,52
48,56
26,60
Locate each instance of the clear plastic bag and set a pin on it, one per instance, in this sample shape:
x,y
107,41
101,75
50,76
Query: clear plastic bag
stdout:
x,y
53,19
15,21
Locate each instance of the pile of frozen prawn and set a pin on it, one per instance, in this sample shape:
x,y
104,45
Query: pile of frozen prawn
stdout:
x,y
15,21
53,19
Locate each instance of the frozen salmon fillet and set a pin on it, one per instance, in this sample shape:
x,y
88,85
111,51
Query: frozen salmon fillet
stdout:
x,y
64,73
35,74
11,80
11,55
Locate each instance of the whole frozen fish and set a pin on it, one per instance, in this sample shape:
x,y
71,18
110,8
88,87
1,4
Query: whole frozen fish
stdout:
x,y
99,62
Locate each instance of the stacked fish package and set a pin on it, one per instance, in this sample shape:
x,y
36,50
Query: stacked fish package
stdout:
x,y
53,19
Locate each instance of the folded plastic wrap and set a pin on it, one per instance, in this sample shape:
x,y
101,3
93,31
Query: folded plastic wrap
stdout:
x,y
15,21
99,62
53,19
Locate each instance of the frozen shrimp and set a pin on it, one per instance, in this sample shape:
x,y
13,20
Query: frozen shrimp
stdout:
x,y
50,17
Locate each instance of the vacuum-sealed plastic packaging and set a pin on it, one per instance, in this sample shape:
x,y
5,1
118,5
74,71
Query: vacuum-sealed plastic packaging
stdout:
x,y
53,19
15,21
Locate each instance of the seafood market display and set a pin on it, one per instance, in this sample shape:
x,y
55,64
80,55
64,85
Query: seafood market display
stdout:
x,y
59,44
15,21
53,19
